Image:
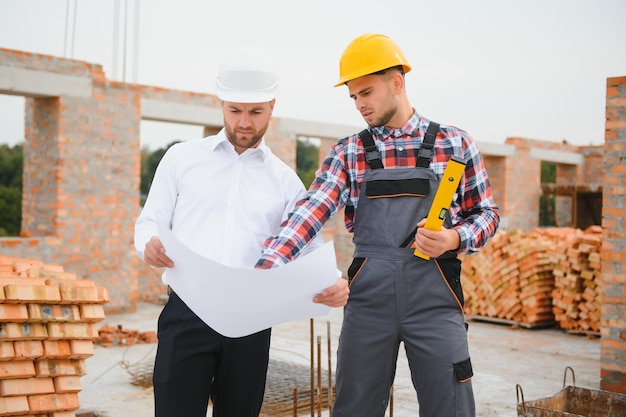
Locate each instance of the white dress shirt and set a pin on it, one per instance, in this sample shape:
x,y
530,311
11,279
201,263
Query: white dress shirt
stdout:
x,y
220,204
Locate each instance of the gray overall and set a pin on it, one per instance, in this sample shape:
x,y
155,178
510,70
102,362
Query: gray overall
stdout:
x,y
396,297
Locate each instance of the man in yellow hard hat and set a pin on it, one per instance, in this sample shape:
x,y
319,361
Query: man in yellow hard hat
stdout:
x,y
386,177
222,196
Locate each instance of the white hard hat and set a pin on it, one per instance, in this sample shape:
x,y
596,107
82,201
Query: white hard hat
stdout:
x,y
247,75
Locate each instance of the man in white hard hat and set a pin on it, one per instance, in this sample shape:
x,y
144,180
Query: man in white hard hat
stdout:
x,y
223,196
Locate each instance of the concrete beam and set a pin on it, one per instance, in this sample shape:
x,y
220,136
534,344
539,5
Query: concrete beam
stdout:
x,y
173,112
560,157
315,129
31,83
336,131
496,149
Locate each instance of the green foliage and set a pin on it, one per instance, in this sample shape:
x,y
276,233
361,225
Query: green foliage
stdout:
x,y
548,172
547,203
10,210
307,161
11,167
149,163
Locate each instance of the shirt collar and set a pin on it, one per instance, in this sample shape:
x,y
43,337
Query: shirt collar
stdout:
x,y
410,128
221,142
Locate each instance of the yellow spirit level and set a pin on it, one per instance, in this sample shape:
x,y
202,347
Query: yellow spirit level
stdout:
x,y
443,198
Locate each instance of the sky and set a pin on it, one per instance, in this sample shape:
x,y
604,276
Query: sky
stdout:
x,y
497,68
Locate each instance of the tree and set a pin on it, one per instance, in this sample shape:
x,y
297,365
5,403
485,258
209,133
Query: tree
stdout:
x,y
149,163
547,202
307,161
11,167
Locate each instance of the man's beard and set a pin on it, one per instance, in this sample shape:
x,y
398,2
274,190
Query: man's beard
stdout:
x,y
385,117
233,139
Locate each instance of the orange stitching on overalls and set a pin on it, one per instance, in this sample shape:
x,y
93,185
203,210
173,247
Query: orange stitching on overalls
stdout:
x,y
396,195
356,274
449,287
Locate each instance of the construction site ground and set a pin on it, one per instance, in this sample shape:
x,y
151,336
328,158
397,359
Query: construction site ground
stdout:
x,y
503,355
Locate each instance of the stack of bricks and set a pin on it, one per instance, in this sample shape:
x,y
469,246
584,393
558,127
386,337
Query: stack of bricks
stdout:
x,y
510,279
490,281
577,271
537,278
47,329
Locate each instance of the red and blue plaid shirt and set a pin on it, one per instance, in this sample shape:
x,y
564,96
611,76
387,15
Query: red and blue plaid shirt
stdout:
x,y
337,183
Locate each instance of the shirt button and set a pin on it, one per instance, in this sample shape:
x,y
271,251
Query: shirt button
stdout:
x,y
400,148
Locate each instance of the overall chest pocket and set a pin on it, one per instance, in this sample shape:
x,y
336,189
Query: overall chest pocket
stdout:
x,y
407,187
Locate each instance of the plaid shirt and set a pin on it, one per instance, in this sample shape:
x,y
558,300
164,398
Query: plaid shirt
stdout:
x,y
473,212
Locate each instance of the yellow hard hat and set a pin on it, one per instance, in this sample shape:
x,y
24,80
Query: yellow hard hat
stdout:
x,y
367,54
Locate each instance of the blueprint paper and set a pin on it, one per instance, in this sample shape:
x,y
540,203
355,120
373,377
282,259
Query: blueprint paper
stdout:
x,y
237,302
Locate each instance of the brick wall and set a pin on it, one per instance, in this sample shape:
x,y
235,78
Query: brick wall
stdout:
x,y
523,175
613,342
81,177
498,178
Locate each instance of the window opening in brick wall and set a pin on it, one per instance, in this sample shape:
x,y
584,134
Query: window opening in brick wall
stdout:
x,y
307,158
547,201
11,164
155,138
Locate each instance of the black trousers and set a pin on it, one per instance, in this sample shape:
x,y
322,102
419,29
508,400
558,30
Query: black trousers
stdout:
x,y
194,364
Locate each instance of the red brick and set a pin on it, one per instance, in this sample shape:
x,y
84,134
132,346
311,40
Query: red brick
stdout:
x,y
12,406
92,312
22,281
56,349
103,295
30,293
26,386
53,312
46,403
68,383
13,313
28,349
17,369
81,349
70,282
16,331
66,414
58,330
60,367
6,351
77,295
45,272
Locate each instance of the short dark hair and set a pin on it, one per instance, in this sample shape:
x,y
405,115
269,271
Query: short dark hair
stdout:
x,y
398,67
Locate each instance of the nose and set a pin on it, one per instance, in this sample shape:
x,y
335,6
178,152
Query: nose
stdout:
x,y
359,104
244,120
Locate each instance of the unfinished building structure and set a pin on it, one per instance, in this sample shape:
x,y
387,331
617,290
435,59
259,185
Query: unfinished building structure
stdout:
x,y
82,164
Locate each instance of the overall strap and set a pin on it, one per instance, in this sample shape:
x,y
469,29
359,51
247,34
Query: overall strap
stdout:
x,y
427,150
372,156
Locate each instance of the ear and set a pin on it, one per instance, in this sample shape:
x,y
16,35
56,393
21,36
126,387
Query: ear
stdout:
x,y
398,82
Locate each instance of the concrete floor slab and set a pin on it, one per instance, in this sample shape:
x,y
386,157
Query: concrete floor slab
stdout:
x,y
502,356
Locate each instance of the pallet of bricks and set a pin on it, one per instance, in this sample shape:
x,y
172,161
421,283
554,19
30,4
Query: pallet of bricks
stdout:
x,y
536,279
47,329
